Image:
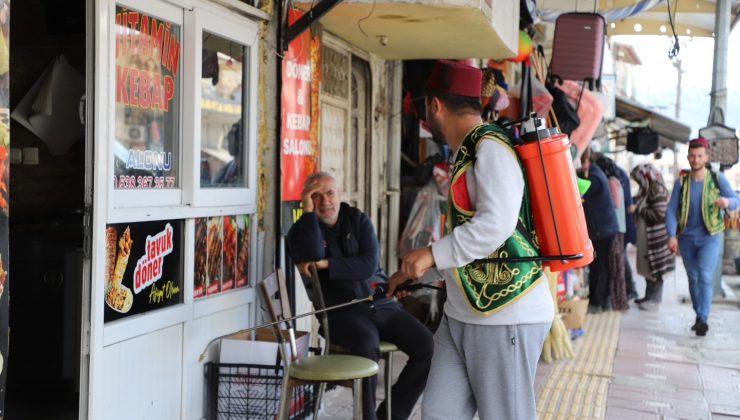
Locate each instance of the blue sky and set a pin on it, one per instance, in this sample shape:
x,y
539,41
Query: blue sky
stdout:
x,y
656,79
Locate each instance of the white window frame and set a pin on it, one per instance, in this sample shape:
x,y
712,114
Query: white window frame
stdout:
x,y
122,198
246,35
132,206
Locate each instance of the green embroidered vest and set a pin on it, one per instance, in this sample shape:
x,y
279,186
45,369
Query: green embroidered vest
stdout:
x,y
489,287
710,213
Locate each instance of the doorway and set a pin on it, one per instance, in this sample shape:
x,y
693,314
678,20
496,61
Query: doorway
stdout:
x,y
47,190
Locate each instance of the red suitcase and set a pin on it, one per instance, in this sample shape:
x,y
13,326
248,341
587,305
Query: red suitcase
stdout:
x,y
578,47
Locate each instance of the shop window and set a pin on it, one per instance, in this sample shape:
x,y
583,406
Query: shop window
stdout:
x,y
224,111
222,138
184,127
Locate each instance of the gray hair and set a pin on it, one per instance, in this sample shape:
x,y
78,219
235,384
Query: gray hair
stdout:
x,y
317,176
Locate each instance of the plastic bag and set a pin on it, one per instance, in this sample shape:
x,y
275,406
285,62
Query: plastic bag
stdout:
x,y
590,112
541,97
424,224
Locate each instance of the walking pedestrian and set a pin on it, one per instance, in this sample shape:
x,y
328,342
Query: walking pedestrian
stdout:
x,y
694,213
654,259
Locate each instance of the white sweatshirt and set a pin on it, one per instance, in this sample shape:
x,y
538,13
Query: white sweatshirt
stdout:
x,y
495,186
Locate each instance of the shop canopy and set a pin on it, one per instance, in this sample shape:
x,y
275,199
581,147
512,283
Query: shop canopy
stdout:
x,y
412,29
669,130
644,17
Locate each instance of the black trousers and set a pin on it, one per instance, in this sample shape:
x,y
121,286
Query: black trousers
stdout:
x,y
599,283
362,328
654,290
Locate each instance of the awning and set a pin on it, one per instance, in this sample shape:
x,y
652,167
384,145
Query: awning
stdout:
x,y
669,130
412,29
645,17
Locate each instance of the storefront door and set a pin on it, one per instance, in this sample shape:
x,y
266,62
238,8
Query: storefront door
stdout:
x,y
344,93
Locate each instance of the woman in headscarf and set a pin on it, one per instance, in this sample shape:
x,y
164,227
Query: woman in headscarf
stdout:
x,y
654,259
618,290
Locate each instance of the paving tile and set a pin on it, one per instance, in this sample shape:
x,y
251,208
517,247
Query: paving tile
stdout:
x,y
722,397
643,405
729,410
620,413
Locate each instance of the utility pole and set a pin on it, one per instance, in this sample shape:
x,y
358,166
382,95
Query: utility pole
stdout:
x,y
677,64
719,68
718,103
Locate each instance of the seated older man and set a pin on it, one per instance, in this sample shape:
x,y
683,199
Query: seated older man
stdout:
x,y
341,241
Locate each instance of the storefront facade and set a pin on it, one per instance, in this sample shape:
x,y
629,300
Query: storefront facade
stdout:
x,y
175,203
187,106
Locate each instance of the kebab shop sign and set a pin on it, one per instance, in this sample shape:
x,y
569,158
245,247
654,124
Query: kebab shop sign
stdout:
x,y
153,276
149,267
144,39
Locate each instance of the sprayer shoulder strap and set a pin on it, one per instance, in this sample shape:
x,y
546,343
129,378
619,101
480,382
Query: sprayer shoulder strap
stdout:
x,y
495,133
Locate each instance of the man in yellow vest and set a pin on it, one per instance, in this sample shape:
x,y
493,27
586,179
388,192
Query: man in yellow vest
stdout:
x,y
497,314
695,215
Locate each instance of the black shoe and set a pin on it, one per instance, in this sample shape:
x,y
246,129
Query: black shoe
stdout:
x,y
696,323
702,328
592,309
640,300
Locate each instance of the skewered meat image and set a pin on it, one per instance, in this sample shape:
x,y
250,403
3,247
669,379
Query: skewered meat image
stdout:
x,y
117,296
201,252
229,249
215,249
242,259
124,248
3,275
111,235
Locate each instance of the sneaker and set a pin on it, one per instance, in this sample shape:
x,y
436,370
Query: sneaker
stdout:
x,y
702,328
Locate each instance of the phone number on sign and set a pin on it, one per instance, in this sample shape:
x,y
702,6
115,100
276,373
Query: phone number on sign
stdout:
x,y
143,182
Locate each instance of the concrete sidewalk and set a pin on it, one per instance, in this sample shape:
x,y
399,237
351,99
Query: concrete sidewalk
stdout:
x,y
634,365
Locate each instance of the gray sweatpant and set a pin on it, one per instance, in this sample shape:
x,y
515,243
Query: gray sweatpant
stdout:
x,y
484,368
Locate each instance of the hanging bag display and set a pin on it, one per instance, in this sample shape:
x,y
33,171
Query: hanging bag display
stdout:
x,y
642,141
723,144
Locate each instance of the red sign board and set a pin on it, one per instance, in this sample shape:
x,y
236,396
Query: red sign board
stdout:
x,y
299,154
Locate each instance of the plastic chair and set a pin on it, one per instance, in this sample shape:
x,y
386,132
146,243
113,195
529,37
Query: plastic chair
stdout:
x,y
310,369
386,349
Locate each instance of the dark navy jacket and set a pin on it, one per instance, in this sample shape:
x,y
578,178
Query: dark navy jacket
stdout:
x,y
351,247
630,236
599,207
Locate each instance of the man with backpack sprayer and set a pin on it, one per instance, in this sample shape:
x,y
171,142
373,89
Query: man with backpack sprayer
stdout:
x,y
497,314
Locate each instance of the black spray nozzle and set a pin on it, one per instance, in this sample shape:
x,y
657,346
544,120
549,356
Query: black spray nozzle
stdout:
x,y
381,289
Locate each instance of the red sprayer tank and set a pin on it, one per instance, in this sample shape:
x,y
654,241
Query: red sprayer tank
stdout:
x,y
556,203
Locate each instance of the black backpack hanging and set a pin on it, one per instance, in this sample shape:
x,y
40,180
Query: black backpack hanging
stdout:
x,y
565,113
642,141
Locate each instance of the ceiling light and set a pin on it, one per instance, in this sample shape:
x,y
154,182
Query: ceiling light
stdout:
x,y
688,31
612,25
638,27
663,29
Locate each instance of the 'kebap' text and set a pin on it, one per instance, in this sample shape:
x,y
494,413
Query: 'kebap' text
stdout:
x,y
145,49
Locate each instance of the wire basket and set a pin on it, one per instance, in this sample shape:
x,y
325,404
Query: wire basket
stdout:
x,y
243,391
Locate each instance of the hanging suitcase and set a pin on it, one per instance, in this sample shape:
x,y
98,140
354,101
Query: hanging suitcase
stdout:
x,y
578,48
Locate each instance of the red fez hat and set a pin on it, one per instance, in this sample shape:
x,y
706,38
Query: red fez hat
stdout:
x,y
699,142
455,78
